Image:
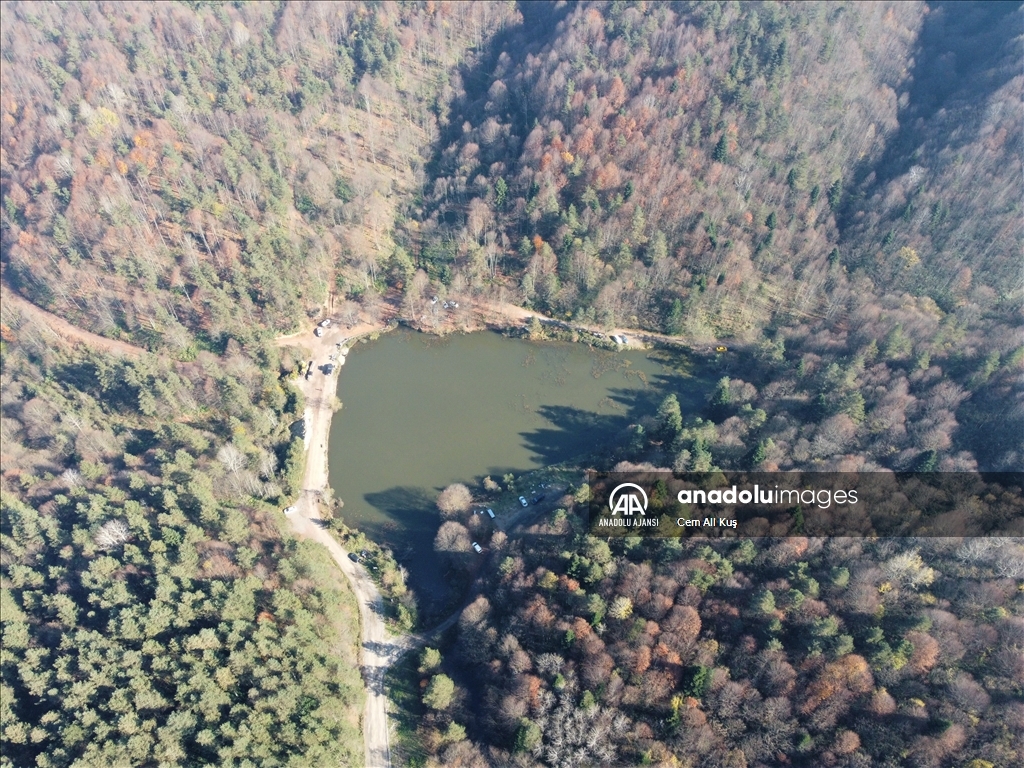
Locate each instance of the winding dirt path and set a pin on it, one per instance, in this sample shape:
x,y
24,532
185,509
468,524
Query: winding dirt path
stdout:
x,y
379,649
61,329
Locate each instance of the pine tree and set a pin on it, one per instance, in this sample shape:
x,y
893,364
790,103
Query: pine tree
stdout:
x,y
721,153
670,417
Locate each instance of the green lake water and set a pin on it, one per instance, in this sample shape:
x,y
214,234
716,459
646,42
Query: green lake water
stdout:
x,y
421,412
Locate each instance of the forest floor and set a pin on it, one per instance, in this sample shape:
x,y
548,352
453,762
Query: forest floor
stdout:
x,y
61,330
483,313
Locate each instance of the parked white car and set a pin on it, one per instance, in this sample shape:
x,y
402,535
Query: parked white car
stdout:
x,y
490,513
477,548
325,323
290,510
523,501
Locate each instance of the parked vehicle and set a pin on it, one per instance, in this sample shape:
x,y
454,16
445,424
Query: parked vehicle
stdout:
x,y
478,548
318,331
290,510
490,513
523,501
353,557
325,323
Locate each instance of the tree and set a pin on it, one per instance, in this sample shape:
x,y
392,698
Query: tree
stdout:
x,y
683,622
534,328
908,569
453,541
763,449
454,500
721,153
621,608
112,534
764,602
658,248
722,395
700,682
440,692
670,417
430,659
528,736
835,194
674,321
454,733
926,652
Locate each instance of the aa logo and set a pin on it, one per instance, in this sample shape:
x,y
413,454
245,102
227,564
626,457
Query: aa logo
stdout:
x,y
628,503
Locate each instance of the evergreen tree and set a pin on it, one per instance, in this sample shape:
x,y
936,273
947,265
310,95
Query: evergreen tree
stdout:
x,y
721,152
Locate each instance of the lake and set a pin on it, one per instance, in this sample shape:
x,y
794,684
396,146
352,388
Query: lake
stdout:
x,y
421,412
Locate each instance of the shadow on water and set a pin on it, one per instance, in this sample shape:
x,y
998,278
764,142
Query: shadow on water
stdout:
x,y
410,535
573,432
578,432
404,505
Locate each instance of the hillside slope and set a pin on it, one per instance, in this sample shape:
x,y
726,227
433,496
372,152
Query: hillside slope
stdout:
x,y
790,176
180,174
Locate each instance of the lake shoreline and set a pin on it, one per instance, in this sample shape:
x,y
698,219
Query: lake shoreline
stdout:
x,y
423,411
507,319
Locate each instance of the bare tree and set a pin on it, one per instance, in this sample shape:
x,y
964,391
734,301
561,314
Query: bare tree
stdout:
x,y
112,533
454,499
452,537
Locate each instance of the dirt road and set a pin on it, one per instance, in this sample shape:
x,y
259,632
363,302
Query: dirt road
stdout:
x,y
379,650
60,329
495,313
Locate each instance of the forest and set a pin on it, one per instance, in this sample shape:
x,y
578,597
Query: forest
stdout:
x,y
750,652
793,181
152,611
830,191
187,180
